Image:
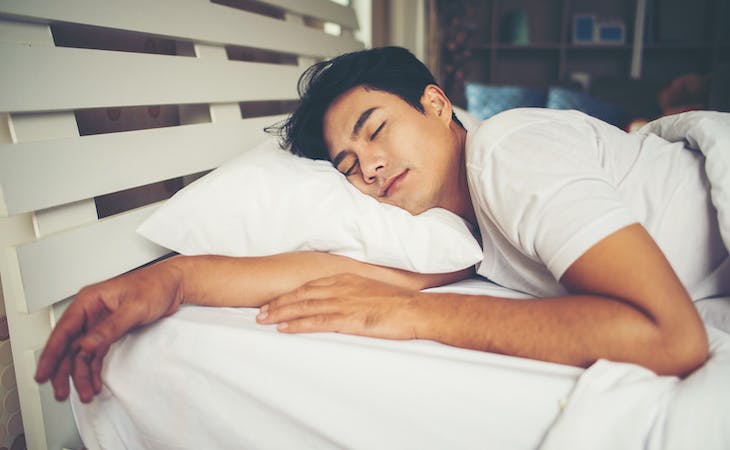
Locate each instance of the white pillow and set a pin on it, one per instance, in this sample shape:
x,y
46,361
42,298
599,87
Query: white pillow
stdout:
x,y
268,201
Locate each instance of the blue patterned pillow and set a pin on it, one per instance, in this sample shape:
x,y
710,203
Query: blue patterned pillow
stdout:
x,y
484,101
562,98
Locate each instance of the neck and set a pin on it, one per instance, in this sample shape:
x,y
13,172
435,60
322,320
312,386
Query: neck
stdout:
x,y
462,204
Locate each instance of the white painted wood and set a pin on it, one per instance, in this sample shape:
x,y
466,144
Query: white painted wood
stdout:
x,y
193,20
45,168
225,112
210,51
59,218
47,423
30,127
192,114
36,175
58,266
24,33
218,112
15,230
294,18
69,78
43,127
303,61
28,332
319,9
6,136
60,428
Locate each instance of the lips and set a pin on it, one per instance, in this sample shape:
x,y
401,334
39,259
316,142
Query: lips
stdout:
x,y
390,182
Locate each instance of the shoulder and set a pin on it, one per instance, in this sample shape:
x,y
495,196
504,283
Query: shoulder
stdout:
x,y
521,131
524,119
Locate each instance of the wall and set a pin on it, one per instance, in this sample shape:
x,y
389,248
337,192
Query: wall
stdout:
x,y
402,23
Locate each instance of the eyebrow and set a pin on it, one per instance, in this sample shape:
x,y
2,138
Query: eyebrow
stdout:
x,y
355,132
361,121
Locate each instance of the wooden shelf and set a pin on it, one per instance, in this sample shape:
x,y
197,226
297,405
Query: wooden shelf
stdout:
x,y
529,47
483,55
678,45
517,47
598,47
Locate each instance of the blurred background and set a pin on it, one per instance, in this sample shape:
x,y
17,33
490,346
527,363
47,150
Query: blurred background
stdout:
x,y
624,61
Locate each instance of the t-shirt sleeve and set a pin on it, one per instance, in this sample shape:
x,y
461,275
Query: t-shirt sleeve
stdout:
x,y
544,184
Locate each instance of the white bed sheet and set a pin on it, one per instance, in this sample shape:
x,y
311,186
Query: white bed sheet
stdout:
x,y
214,378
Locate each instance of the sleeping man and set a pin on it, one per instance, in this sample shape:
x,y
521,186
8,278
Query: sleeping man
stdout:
x,y
613,234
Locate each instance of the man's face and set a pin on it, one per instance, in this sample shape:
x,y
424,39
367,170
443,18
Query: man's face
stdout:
x,y
391,151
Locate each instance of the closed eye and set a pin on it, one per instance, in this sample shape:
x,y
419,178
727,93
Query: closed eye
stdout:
x,y
375,133
349,171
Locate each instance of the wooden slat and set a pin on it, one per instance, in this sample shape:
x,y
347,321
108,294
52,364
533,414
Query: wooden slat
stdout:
x,y
319,9
58,418
49,78
37,175
58,266
195,20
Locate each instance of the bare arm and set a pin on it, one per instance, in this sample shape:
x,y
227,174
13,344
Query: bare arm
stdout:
x,y
104,312
225,281
628,305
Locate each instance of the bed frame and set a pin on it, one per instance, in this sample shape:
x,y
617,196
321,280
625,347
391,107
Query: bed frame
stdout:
x,y
194,84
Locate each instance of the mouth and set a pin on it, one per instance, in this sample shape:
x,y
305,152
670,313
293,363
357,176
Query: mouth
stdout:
x,y
391,184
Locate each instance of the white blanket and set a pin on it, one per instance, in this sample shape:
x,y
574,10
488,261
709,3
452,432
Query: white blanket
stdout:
x,y
708,132
214,378
626,406
616,405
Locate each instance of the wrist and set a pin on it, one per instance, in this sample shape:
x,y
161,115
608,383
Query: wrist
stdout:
x,y
422,308
176,270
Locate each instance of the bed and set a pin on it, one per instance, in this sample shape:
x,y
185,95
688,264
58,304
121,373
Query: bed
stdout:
x,y
107,109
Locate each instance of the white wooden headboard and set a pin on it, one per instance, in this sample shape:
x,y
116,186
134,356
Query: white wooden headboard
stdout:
x,y
105,102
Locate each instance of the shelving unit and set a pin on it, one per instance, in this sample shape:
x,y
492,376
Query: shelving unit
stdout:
x,y
678,38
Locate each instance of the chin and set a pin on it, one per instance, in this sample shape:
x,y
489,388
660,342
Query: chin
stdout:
x,y
413,209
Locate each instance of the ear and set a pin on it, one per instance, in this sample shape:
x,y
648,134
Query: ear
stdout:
x,y
436,102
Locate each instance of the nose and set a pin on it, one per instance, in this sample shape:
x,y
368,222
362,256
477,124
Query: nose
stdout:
x,y
371,167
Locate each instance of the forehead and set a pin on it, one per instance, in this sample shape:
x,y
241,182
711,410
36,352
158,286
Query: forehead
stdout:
x,y
343,113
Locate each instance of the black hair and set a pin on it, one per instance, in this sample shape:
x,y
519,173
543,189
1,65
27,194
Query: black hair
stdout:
x,y
390,69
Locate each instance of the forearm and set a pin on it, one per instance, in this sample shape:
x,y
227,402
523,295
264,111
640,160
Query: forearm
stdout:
x,y
574,330
252,281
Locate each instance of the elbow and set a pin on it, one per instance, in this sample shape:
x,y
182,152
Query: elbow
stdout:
x,y
685,351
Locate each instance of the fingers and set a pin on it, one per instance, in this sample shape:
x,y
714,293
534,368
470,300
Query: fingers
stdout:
x,y
96,365
103,334
291,307
321,297
60,379
78,344
313,324
67,329
81,374
92,347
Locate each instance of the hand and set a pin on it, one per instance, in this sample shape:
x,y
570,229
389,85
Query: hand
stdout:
x,y
345,304
99,315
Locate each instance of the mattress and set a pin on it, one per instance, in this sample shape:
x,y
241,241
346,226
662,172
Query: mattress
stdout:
x,y
214,378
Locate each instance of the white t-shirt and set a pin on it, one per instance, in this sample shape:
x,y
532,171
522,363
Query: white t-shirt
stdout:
x,y
547,185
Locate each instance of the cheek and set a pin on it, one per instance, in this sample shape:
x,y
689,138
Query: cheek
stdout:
x,y
361,186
